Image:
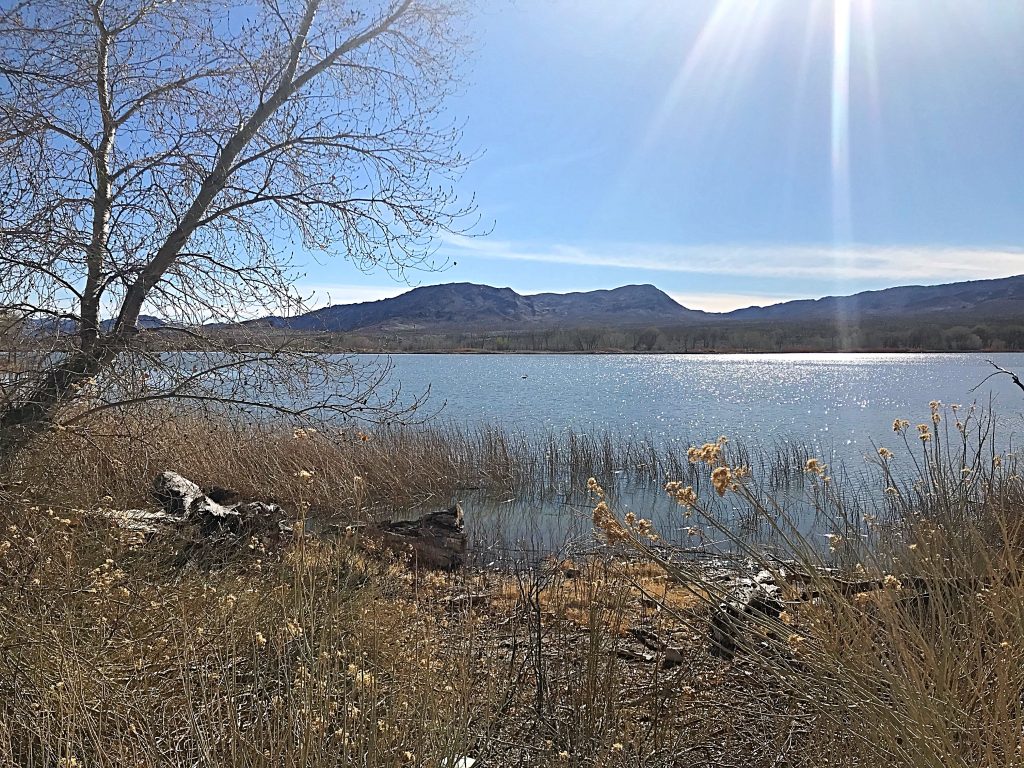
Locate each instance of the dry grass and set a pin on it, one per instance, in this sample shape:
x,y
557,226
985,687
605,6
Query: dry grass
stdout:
x,y
315,656
291,658
111,655
921,663
113,459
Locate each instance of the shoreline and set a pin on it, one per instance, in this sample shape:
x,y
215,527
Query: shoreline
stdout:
x,y
659,353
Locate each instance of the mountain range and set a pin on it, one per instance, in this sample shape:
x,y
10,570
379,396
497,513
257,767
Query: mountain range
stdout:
x,y
467,306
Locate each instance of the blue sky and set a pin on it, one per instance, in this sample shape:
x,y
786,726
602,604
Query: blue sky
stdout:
x,y
735,152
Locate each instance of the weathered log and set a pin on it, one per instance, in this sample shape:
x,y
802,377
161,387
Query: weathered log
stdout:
x,y
175,494
435,541
145,521
669,655
184,501
850,587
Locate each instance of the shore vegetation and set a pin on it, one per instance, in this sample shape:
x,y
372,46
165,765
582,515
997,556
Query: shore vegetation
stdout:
x,y
897,637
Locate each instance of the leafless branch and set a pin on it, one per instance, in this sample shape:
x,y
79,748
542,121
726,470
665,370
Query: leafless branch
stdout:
x,y
999,371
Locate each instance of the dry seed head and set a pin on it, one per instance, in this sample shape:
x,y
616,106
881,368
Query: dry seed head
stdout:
x,y
709,453
815,466
685,496
721,479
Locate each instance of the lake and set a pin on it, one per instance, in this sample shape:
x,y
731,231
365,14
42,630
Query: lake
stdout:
x,y
837,402
841,406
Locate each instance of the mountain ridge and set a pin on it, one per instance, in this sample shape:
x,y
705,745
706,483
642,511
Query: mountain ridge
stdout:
x,y
463,306
458,305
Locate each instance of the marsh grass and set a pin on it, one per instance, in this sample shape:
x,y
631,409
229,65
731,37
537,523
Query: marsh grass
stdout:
x,y
293,658
316,656
352,472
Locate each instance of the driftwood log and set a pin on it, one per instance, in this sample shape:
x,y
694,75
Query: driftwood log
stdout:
x,y
184,503
758,600
183,500
435,541
217,520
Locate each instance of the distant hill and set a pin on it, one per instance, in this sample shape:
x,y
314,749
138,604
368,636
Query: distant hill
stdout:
x,y
46,326
468,308
1002,297
478,308
481,307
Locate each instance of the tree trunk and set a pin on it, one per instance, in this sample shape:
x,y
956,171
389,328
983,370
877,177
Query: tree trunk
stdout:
x,y
24,420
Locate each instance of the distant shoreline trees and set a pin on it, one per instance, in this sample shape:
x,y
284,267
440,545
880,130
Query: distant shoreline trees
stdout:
x,y
877,335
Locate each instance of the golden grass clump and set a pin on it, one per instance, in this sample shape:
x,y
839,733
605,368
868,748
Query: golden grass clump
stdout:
x,y
294,658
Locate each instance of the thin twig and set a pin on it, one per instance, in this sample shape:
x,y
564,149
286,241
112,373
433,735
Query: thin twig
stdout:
x,y
999,370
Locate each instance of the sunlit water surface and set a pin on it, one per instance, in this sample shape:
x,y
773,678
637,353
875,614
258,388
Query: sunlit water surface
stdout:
x,y
841,406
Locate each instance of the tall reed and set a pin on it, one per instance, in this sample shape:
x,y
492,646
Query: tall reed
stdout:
x,y
901,635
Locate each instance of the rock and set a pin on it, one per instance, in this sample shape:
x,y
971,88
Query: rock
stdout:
x,y
435,541
757,600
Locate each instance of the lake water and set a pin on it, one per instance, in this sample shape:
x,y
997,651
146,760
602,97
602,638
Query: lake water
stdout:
x,y
841,406
838,402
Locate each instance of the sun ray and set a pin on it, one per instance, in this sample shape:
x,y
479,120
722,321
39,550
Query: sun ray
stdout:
x,y
716,65
795,145
840,121
866,31
846,320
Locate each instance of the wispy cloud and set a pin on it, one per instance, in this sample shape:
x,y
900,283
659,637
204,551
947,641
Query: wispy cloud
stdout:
x,y
872,263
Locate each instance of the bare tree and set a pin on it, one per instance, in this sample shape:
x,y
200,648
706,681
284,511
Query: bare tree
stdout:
x,y
165,156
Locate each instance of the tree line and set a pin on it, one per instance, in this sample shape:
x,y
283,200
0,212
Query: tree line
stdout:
x,y
956,334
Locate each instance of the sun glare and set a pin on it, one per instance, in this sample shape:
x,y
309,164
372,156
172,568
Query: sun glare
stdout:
x,y
840,121
718,63
727,52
